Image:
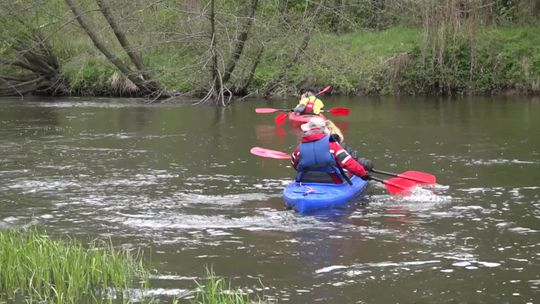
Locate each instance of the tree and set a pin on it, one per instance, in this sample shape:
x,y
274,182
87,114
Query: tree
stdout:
x,y
219,91
27,59
307,28
147,86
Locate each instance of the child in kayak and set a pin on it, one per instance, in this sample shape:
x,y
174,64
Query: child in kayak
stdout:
x,y
309,103
322,160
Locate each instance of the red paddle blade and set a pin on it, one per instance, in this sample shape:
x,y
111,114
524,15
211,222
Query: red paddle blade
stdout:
x,y
396,185
280,119
269,153
419,177
339,111
265,110
326,89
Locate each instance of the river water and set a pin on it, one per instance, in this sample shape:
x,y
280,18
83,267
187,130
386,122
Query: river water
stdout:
x,y
178,182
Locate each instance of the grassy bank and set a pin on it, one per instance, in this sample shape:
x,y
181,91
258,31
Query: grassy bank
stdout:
x,y
390,62
217,290
395,62
36,268
432,47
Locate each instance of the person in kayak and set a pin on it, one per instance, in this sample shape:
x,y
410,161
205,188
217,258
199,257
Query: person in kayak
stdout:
x,y
309,103
322,160
337,135
334,131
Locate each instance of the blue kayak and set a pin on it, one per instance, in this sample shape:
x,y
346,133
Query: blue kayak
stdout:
x,y
307,197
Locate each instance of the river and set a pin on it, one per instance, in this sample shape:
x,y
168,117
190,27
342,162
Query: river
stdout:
x,y
178,182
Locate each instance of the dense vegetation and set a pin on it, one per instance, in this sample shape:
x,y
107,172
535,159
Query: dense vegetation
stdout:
x,y
36,268
215,49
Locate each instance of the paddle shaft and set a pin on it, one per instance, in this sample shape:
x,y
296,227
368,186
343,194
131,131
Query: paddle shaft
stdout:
x,y
326,89
397,175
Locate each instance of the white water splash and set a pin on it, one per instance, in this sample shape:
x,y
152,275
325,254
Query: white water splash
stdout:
x,y
268,220
330,268
522,230
401,264
500,161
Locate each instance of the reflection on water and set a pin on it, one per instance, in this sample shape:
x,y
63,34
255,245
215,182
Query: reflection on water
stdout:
x,y
179,182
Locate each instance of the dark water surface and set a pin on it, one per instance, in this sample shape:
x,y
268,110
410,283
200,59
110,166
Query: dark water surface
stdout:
x,y
179,183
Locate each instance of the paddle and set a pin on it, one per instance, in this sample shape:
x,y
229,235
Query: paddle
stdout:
x,y
395,185
269,153
281,118
417,176
334,111
326,89
337,111
270,110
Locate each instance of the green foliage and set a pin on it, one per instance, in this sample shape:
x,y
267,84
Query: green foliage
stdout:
x,y
5,46
362,59
506,11
217,290
89,76
41,269
504,59
263,75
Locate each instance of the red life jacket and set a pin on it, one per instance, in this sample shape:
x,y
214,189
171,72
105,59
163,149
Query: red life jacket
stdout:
x,y
310,104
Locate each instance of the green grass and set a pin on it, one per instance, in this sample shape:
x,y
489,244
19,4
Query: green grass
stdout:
x,y
353,63
40,269
374,46
174,47
217,290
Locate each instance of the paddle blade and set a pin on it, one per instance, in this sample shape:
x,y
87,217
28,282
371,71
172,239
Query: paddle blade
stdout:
x,y
265,110
269,153
326,89
419,177
399,186
339,111
280,119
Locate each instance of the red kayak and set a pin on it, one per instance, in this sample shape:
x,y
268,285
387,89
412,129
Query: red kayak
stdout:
x,y
298,120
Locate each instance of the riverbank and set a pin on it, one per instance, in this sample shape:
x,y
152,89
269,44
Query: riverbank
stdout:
x,y
37,268
390,62
396,61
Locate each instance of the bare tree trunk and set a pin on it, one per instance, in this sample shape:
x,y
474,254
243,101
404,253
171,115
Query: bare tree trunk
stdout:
x,y
213,46
120,35
98,43
217,89
146,88
242,90
240,42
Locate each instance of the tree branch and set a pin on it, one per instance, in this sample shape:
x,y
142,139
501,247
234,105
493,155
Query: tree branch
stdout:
x,y
120,35
99,44
240,42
